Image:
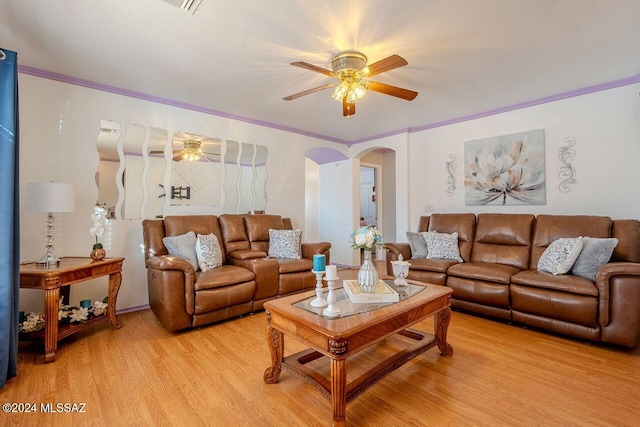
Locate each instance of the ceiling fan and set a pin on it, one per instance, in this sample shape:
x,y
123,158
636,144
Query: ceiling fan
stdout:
x,y
350,70
192,148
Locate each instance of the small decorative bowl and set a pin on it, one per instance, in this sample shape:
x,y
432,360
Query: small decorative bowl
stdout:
x,y
400,270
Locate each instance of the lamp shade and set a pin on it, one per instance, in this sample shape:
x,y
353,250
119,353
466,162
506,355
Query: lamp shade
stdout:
x,y
50,197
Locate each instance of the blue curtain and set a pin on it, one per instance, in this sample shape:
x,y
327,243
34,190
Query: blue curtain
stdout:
x,y
9,216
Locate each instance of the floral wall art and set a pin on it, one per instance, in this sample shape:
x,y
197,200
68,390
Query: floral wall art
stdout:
x,y
505,170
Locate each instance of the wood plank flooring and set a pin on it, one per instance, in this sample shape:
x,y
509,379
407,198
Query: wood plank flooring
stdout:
x,y
143,375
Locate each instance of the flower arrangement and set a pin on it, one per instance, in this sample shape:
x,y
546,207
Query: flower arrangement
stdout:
x,y
101,225
66,314
366,238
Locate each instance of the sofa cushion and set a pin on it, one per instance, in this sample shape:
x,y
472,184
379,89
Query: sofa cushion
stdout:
x,y
258,227
418,244
486,271
463,224
208,252
200,224
225,275
234,233
437,265
224,298
565,283
183,246
442,246
627,231
503,239
549,228
285,244
529,303
560,255
595,253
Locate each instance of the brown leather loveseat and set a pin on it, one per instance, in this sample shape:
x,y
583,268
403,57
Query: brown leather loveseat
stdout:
x,y
499,276
184,297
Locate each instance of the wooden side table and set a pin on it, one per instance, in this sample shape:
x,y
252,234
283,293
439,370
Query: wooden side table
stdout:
x,y
69,272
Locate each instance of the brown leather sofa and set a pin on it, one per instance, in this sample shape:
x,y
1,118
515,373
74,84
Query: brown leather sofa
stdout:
x,y
182,297
499,276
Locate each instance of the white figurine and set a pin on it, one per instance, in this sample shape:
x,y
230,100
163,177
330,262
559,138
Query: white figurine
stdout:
x,y
400,270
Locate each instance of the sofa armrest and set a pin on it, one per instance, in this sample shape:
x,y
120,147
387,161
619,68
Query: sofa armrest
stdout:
x,y
311,249
267,275
169,262
393,251
618,286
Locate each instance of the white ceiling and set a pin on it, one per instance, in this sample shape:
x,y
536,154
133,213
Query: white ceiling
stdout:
x,y
465,56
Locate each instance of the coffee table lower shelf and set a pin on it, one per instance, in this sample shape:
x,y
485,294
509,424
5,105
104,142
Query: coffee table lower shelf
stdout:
x,y
295,364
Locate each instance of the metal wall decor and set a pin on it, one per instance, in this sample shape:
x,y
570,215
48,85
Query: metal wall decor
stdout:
x,y
451,180
567,171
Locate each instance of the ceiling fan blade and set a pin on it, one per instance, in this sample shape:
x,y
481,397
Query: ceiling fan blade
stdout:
x,y
312,67
178,157
386,64
348,108
307,92
393,91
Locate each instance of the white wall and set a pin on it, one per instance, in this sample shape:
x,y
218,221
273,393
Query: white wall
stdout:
x,y
59,125
400,145
339,209
606,126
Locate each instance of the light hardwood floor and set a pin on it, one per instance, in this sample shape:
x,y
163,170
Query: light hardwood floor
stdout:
x,y
143,375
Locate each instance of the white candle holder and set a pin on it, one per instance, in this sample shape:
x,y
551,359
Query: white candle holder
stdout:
x,y
318,301
331,310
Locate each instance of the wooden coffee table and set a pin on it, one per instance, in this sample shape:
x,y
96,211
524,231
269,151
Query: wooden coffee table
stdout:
x,y
341,337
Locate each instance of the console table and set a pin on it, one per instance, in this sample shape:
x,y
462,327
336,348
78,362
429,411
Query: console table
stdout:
x,y
69,272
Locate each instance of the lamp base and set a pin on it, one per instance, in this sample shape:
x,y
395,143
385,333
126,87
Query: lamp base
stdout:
x,y
49,260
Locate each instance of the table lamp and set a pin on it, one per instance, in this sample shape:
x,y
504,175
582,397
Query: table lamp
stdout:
x,y
50,197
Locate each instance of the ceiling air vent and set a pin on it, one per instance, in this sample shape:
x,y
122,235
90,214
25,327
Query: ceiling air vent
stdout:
x,y
186,5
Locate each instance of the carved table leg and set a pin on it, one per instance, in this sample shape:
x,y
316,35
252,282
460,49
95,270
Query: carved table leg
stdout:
x,y
51,308
339,391
115,279
441,320
275,341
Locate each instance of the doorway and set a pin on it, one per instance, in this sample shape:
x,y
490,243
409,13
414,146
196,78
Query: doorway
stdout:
x,y
368,199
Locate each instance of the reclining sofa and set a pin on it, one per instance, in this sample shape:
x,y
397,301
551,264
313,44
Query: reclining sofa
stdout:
x,y
182,296
499,277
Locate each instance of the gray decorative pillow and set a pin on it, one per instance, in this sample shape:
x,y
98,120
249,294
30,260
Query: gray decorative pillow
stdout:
x,y
418,244
208,252
595,253
285,244
442,246
183,246
560,255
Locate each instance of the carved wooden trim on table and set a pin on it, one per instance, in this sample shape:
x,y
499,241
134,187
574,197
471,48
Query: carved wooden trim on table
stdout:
x,y
275,341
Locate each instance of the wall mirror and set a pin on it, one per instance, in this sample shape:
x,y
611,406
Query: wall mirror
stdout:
x,y
153,174
195,170
232,177
107,144
261,179
245,178
144,171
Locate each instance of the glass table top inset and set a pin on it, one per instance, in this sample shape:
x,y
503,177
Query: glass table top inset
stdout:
x,y
348,308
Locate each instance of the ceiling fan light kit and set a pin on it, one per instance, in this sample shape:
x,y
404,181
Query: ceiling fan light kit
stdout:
x,y
350,69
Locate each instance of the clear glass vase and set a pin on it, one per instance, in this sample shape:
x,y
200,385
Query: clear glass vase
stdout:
x,y
368,275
